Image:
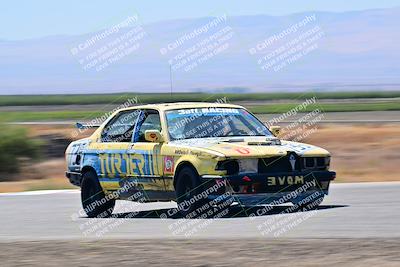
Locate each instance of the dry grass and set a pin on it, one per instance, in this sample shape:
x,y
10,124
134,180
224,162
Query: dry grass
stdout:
x,y
40,176
364,153
69,132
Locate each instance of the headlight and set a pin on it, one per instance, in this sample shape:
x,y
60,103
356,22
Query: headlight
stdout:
x,y
327,162
248,165
233,167
316,163
230,166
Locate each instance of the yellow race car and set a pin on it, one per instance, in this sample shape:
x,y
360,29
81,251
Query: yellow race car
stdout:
x,y
193,153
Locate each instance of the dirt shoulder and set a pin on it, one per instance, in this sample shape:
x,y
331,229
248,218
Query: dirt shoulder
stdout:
x,y
282,252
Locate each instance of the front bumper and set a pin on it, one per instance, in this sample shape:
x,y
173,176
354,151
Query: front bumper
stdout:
x,y
278,188
261,177
74,178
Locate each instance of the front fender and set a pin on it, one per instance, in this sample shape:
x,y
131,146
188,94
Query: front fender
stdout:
x,y
91,160
203,165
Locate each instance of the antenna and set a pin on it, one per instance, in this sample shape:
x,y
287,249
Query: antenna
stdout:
x,y
170,78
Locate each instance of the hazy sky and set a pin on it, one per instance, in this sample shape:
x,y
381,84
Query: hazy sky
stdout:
x,y
29,19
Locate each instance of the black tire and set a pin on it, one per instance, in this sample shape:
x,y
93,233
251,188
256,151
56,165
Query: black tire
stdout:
x,y
94,202
188,188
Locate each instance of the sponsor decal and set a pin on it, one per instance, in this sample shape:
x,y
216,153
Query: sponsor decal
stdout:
x,y
299,147
168,164
188,152
121,164
285,180
181,152
243,150
205,111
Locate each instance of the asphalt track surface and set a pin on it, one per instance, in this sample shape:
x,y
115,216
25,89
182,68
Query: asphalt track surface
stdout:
x,y
353,210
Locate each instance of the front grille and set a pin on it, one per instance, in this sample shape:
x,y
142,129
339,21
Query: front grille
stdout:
x,y
282,164
277,164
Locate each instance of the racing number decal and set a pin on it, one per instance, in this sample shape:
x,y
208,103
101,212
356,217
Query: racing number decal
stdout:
x,y
242,150
72,155
168,164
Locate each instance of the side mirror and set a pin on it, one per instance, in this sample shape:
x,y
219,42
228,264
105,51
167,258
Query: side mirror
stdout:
x,y
153,136
276,130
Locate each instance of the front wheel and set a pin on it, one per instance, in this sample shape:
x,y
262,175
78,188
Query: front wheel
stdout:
x,y
94,201
189,193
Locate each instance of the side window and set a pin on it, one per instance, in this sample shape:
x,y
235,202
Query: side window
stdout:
x,y
120,128
150,121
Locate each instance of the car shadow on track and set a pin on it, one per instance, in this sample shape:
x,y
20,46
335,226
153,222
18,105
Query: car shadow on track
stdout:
x,y
233,212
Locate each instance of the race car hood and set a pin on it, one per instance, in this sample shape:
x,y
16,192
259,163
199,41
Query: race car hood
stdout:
x,y
253,147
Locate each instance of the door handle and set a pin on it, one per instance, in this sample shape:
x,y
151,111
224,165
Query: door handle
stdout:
x,y
130,149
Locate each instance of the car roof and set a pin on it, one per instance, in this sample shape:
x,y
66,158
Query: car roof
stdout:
x,y
182,105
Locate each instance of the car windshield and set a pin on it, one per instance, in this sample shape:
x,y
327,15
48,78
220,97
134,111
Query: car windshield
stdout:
x,y
213,122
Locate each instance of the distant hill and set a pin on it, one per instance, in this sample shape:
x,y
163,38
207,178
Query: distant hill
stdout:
x,y
356,50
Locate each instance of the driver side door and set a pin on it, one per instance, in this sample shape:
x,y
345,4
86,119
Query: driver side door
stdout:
x,y
146,156
111,149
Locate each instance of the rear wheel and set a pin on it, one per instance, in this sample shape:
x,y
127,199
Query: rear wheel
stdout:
x,y
94,201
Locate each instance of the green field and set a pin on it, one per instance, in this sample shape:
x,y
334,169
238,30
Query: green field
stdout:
x,y
15,116
328,107
11,116
27,100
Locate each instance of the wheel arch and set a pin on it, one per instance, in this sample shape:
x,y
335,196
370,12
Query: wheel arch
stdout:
x,y
180,166
86,169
